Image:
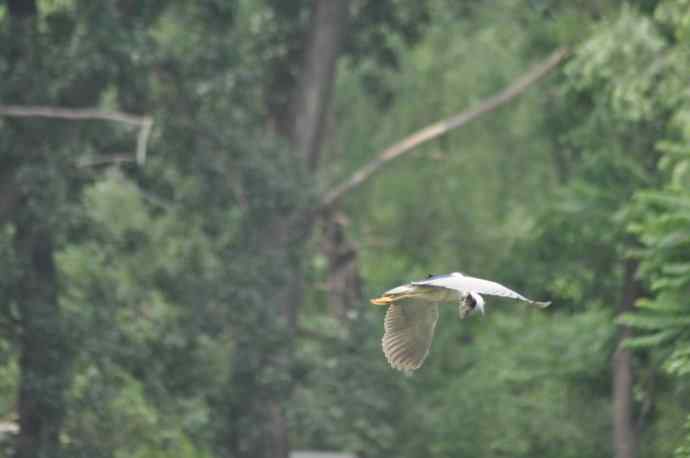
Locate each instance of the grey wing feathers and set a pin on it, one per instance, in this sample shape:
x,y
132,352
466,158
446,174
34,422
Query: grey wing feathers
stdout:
x,y
409,329
492,288
478,285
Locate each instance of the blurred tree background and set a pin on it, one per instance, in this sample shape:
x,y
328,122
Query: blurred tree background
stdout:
x,y
198,298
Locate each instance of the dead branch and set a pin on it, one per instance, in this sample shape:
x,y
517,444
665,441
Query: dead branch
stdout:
x,y
143,123
436,130
112,159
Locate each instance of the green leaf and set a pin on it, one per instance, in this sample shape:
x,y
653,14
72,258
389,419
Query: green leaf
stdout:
x,y
679,268
669,283
648,321
674,240
651,340
665,306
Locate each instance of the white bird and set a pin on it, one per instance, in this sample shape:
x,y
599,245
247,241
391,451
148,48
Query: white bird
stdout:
x,y
413,312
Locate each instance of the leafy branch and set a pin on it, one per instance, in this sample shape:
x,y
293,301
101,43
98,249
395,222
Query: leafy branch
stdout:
x,y
435,130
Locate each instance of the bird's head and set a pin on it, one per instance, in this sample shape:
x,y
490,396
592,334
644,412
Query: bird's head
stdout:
x,y
479,302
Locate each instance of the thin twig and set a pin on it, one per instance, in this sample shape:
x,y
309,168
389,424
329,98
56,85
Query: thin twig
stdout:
x,y
436,130
143,123
112,159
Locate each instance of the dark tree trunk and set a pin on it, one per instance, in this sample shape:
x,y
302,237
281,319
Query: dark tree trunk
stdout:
x,y
280,444
310,104
329,21
20,9
624,431
313,96
344,282
44,363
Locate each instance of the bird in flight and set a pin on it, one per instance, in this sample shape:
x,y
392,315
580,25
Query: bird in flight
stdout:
x,y
413,312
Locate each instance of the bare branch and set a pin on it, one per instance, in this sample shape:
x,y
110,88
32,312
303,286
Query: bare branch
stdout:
x,y
143,139
143,123
112,159
436,130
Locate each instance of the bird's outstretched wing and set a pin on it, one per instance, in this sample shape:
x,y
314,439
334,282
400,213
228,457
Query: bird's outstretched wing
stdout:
x,y
408,332
467,284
